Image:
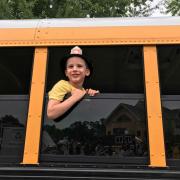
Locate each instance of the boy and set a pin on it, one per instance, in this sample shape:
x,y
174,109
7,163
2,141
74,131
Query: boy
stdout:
x,y
76,68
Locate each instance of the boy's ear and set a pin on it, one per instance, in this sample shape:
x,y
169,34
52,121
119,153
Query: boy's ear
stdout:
x,y
88,72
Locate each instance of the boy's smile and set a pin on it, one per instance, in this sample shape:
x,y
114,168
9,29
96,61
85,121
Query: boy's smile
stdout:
x,y
76,71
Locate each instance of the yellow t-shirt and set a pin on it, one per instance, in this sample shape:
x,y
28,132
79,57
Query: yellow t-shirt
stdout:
x,y
60,89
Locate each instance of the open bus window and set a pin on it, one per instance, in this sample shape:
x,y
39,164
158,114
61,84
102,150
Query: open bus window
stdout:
x,y
117,69
108,127
169,64
15,78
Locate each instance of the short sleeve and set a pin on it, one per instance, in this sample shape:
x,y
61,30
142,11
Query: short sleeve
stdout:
x,y
59,90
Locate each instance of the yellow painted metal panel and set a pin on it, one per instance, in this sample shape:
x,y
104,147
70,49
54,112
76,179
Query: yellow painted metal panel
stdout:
x,y
15,34
154,112
90,36
123,33
32,140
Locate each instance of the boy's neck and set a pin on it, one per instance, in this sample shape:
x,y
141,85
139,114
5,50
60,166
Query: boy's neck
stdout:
x,y
78,86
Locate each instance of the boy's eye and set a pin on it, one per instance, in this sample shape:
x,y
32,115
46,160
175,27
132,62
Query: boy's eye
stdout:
x,y
79,65
70,66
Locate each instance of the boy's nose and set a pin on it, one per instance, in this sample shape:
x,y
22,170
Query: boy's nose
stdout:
x,y
74,68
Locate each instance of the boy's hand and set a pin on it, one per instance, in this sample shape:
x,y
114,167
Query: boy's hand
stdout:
x,y
91,92
78,94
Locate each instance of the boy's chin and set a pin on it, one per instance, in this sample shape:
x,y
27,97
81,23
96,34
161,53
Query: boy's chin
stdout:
x,y
77,81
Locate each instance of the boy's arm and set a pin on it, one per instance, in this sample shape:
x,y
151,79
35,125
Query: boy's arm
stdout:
x,y
56,108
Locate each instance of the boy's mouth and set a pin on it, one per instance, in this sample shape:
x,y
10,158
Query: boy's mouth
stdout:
x,y
75,75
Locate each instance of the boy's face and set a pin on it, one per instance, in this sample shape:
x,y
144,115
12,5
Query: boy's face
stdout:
x,y
76,70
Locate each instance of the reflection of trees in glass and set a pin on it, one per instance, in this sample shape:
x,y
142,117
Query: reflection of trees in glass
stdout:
x,y
79,131
10,121
79,138
86,131
53,132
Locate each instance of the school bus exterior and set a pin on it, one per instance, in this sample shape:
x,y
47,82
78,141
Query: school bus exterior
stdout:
x,y
131,130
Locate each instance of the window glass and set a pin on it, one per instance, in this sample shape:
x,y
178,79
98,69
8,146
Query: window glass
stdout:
x,y
15,70
108,127
171,120
15,77
169,64
13,116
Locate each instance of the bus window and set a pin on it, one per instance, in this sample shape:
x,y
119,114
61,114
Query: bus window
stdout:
x,y
117,69
169,65
111,125
15,77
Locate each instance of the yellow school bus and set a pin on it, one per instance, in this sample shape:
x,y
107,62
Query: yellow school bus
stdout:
x,y
131,130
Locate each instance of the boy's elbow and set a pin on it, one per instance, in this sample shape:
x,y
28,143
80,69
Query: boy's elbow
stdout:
x,y
50,115
53,113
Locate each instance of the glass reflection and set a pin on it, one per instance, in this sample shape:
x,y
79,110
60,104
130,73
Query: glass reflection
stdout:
x,y
171,121
15,70
169,64
12,127
98,127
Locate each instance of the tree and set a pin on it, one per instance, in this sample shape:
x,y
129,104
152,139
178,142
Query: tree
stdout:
x,y
173,7
107,8
75,8
5,12
139,8
45,8
121,8
23,9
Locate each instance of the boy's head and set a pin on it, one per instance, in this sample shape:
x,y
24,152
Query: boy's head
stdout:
x,y
76,53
